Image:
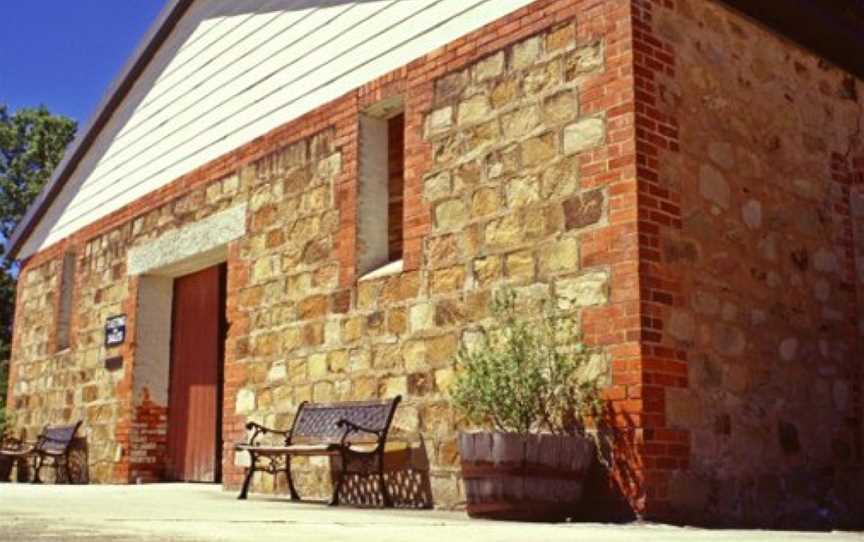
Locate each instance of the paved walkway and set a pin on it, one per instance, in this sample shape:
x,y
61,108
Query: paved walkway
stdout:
x,y
188,512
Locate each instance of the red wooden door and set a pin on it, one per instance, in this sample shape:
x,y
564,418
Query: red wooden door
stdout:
x,y
194,421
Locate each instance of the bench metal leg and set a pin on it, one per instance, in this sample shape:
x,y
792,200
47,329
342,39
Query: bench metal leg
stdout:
x,y
37,466
388,503
291,488
340,477
334,500
66,471
250,470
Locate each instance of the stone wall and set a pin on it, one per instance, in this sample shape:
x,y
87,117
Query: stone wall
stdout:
x,y
761,263
504,201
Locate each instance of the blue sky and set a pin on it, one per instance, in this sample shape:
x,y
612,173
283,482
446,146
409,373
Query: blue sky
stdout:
x,y
65,53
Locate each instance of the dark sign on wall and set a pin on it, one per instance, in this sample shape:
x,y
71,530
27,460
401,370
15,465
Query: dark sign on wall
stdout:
x,y
115,330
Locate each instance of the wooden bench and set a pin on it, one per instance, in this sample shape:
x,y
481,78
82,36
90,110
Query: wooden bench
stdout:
x,y
349,430
53,444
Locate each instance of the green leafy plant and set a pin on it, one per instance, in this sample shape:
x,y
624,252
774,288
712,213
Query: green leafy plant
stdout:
x,y
526,374
7,422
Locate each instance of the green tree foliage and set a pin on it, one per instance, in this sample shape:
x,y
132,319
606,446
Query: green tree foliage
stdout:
x,y
32,143
528,374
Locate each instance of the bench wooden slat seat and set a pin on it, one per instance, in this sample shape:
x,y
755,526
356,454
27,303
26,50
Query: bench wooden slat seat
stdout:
x,y
52,443
347,430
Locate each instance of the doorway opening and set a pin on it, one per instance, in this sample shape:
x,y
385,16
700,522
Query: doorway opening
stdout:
x,y
196,376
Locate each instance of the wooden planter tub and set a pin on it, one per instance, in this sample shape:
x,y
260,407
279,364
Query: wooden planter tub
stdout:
x,y
524,477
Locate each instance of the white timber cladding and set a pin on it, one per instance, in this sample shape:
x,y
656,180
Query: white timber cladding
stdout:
x,y
233,70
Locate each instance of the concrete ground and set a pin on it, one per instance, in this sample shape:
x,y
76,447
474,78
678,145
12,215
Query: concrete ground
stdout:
x,y
189,512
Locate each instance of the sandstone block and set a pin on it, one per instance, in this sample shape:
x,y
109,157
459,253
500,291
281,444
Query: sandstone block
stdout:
x,y
751,212
318,366
414,355
313,307
364,388
584,135
393,386
439,121
728,340
485,202
422,317
473,110
506,231
441,350
278,373
506,92
789,349
520,265
520,122
450,86
444,379
825,260
543,77
684,409
397,321
487,270
561,107
490,67
722,154
352,329
714,187
332,332
451,214
523,191
539,150
526,52
562,178
230,185
437,186
585,60
442,249
323,392
589,289
560,257
583,210
561,38
706,303
481,138
245,401
447,280
681,325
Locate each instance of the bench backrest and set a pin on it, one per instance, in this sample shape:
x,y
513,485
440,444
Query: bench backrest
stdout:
x,y
319,423
57,439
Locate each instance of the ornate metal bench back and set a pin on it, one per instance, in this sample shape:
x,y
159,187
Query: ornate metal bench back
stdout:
x,y
319,423
57,439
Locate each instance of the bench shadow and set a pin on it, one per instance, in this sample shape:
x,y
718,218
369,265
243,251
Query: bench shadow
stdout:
x,y
406,479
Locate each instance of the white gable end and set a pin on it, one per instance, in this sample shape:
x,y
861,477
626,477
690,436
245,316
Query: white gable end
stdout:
x,y
233,70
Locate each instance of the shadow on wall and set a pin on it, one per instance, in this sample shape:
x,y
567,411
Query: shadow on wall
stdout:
x,y
79,460
612,484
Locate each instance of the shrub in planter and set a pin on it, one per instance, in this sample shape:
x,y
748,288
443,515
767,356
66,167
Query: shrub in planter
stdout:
x,y
525,381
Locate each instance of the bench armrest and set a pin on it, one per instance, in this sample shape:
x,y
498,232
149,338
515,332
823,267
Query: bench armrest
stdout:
x,y
351,427
258,430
